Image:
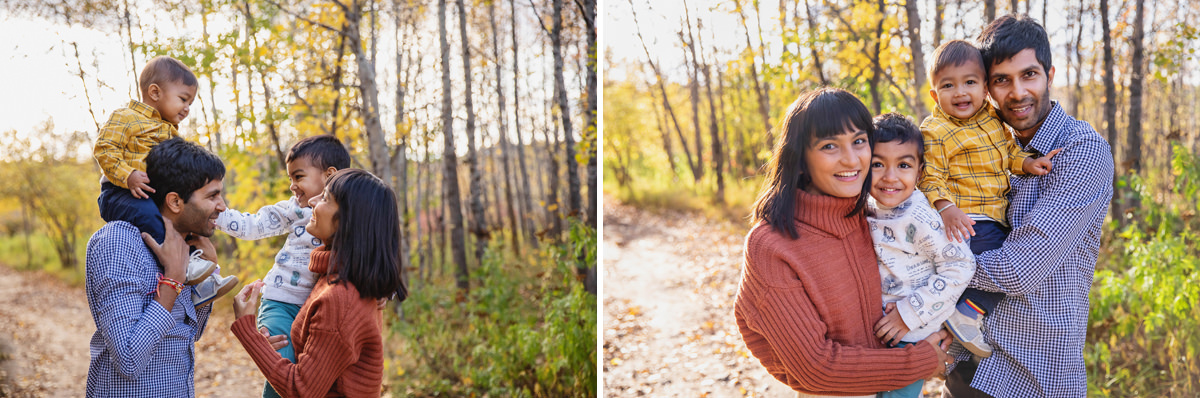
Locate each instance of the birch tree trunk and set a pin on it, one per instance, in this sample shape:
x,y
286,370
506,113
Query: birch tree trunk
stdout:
x,y
527,192
564,110
452,201
478,218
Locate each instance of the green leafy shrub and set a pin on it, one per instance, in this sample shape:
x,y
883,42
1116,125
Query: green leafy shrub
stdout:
x,y
527,329
1142,338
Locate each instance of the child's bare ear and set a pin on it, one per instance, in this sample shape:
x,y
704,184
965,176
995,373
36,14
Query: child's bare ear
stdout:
x,y
933,94
329,171
154,91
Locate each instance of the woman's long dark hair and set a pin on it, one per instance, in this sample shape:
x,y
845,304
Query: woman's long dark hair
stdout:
x,y
821,113
366,244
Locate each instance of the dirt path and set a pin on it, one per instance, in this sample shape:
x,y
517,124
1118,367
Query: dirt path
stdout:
x,y
669,286
670,281
45,327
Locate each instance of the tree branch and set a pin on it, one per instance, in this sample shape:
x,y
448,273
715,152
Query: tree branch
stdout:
x,y
311,22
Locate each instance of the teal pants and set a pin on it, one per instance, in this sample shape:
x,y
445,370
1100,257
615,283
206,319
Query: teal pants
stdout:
x,y
911,391
277,317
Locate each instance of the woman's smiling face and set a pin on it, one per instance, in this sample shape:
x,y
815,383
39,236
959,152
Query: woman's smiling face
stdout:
x,y
324,221
838,165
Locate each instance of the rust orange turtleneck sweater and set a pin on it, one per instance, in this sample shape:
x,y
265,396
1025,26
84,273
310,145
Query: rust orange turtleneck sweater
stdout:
x,y
337,337
807,308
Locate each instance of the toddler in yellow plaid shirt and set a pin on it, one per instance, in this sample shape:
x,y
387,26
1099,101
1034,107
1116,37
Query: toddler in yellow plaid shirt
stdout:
x,y
968,155
168,88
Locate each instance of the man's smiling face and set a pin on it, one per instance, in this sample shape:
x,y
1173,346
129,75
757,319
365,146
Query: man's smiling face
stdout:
x,y
1020,91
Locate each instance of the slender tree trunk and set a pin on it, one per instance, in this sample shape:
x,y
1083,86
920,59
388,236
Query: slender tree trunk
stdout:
x,y
939,19
989,10
764,105
813,33
1110,102
376,144
666,102
527,192
694,90
337,85
399,159
593,204
503,141
730,152
574,200
1133,148
479,219
1013,6
714,130
1077,90
876,66
452,201
666,135
918,56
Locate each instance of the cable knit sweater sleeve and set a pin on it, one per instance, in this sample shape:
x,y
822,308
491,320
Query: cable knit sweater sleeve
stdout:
x,y
331,345
806,308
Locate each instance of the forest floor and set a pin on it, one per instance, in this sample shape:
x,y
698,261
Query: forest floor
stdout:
x,y
670,280
45,328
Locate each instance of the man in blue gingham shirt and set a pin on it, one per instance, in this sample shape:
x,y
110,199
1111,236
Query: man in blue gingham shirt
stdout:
x,y
144,345
1046,264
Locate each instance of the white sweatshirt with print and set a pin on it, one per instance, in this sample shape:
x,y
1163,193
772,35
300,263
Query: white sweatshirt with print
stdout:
x,y
921,269
289,279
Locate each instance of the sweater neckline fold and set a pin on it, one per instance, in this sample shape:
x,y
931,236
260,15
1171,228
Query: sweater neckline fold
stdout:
x,y
827,213
318,261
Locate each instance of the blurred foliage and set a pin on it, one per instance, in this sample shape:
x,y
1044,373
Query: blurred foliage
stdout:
x,y
528,329
1145,310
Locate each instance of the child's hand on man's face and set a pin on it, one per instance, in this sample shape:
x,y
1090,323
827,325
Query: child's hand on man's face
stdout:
x,y
138,183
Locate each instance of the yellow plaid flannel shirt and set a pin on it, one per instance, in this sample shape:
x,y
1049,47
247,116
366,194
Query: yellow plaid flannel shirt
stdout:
x,y
965,162
127,137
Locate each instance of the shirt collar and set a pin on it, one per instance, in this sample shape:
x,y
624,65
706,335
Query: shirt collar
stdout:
x,y
148,111
1046,137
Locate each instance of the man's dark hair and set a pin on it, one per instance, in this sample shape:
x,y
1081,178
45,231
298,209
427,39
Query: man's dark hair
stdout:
x,y
162,70
324,151
954,53
366,244
896,127
182,167
1008,35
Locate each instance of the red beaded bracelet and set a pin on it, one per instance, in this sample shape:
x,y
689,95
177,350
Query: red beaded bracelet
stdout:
x,y
162,280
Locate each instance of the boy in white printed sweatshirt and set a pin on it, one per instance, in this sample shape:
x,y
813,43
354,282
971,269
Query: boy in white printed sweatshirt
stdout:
x,y
922,271
288,283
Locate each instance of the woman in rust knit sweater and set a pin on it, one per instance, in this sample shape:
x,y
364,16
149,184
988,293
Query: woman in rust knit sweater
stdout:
x,y
810,293
337,333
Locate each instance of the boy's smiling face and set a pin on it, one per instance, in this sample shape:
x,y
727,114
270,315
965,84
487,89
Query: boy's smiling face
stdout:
x,y
308,180
173,100
895,169
959,90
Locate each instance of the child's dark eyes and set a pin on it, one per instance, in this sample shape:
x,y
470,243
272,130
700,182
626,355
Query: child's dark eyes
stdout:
x,y
947,85
905,166
860,141
876,165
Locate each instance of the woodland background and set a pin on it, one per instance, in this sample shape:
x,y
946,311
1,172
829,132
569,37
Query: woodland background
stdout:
x,y
480,114
693,92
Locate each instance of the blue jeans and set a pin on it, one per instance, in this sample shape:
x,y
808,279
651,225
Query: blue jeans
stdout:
x,y
911,391
278,317
989,235
117,204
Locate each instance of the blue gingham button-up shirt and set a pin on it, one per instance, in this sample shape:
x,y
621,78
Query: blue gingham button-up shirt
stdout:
x,y
139,349
1046,267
